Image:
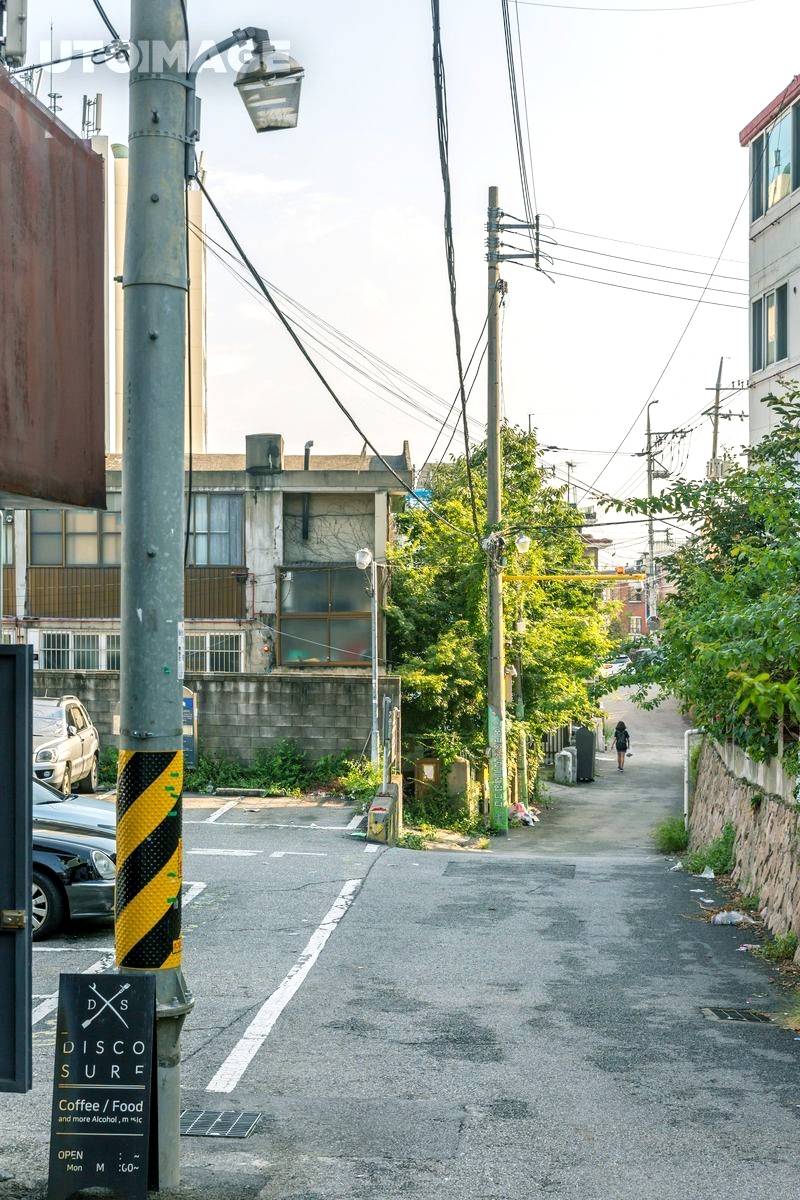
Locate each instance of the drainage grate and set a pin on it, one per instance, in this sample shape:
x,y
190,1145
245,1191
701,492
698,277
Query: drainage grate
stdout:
x,y
204,1122
737,1014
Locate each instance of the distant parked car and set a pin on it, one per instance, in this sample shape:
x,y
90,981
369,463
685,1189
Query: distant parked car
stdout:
x,y
616,666
66,748
73,876
52,808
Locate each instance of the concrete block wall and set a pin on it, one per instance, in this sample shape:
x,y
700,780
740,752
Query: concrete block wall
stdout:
x,y
767,847
324,712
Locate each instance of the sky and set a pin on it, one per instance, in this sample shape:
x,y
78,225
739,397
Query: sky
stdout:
x,y
634,120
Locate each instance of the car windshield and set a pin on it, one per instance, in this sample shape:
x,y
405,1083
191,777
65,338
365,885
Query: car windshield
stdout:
x,y
43,794
47,720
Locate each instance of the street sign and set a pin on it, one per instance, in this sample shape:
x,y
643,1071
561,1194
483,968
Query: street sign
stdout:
x,y
102,1089
16,707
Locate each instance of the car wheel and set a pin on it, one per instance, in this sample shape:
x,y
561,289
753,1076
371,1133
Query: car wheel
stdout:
x,y
89,783
66,782
47,906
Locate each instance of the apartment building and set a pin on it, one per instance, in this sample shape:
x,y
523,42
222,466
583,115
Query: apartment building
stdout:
x,y
773,142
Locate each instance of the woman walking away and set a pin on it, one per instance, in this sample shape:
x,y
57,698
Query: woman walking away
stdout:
x,y
622,740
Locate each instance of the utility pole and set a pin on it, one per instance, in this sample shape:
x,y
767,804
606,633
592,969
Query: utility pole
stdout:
x,y
717,389
494,546
651,598
570,467
150,782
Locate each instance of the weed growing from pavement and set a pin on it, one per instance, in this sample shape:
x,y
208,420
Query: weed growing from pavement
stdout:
x,y
280,770
781,948
411,840
671,836
717,854
749,904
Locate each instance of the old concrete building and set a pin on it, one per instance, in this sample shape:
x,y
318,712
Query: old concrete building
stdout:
x,y
773,141
278,615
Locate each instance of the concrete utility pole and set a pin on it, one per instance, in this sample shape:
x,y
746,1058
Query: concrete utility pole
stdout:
x,y
498,766
150,783
715,435
651,587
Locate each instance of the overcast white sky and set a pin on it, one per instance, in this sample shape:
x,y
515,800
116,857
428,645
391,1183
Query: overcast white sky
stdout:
x,y
634,117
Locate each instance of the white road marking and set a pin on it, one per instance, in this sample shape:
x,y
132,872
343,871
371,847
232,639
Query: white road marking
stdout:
x,y
298,854
51,1003
371,849
277,825
220,812
355,821
262,1024
193,890
226,853
72,949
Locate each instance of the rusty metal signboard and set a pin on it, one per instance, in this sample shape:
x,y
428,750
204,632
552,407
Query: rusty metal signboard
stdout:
x,y
52,309
102,1091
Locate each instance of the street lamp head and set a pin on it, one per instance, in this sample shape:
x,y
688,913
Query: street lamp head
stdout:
x,y
269,84
363,559
522,542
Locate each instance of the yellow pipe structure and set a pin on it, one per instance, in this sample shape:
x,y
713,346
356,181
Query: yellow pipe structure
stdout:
x,y
589,577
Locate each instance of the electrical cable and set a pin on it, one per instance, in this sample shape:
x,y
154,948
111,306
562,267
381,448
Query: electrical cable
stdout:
x,y
697,301
385,368
637,275
645,262
469,393
602,237
527,204
525,107
442,130
107,22
297,341
443,425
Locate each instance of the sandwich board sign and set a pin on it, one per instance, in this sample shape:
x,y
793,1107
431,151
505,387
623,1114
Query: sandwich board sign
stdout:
x,y
100,1132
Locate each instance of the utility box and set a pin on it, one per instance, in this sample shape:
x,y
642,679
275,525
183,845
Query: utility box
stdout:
x,y
585,747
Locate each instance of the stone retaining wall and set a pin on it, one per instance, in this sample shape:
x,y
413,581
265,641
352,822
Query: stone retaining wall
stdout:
x,y
767,848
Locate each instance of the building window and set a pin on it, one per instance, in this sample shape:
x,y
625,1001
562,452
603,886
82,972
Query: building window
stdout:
x,y
77,538
65,651
324,617
636,624
775,163
213,653
112,651
770,326
86,652
54,652
216,531
47,537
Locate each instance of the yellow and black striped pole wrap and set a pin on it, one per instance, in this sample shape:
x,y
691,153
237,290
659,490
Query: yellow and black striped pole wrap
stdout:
x,y
149,868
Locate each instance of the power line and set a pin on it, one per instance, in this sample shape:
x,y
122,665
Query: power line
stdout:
x,y
297,341
671,9
443,425
571,262
525,105
442,131
643,291
107,22
469,393
601,237
644,262
529,207
421,413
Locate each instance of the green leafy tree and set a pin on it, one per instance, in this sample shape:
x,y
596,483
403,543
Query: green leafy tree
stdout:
x,y
729,646
437,614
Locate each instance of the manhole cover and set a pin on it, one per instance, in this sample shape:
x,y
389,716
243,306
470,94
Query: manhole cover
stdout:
x,y
737,1014
504,867
203,1122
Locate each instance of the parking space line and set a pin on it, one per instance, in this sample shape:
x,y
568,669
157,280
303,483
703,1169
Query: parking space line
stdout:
x,y
298,854
262,1024
226,853
220,812
193,890
51,1004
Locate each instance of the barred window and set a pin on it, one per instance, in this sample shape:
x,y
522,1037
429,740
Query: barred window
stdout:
x,y
213,653
54,653
66,651
86,652
112,651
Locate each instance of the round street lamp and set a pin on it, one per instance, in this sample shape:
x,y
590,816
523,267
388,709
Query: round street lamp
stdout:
x,y
523,543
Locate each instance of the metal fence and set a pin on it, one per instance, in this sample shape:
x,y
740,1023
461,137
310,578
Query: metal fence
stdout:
x,y
555,741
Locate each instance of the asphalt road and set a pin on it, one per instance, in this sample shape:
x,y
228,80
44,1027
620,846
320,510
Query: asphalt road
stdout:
x,y
520,1023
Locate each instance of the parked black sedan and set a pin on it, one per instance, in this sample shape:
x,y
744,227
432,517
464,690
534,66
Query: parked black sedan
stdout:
x,y
73,876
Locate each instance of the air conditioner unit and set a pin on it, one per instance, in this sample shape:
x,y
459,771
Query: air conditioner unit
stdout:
x,y
264,454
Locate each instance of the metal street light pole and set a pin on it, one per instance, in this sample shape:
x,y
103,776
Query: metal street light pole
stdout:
x,y
150,782
365,560
651,605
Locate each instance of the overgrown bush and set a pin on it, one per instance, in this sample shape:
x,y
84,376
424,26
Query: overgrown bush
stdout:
x,y
107,775
671,836
439,810
717,854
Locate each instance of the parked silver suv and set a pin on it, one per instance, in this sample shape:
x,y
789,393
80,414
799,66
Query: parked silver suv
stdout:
x,y
66,748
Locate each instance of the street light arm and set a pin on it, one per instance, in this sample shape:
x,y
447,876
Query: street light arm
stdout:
x,y
239,37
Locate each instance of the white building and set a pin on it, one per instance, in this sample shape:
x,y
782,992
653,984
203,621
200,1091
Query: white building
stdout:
x,y
773,140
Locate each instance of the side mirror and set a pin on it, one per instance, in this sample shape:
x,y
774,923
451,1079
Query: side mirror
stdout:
x,y
71,730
